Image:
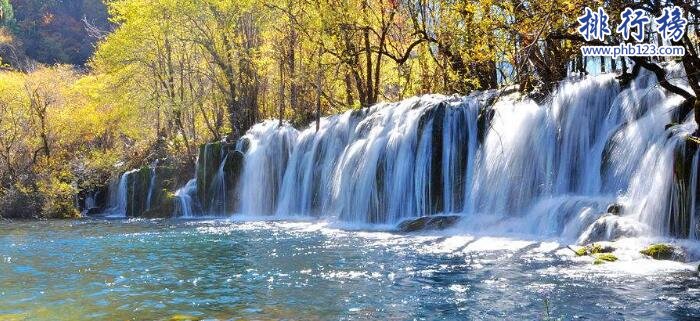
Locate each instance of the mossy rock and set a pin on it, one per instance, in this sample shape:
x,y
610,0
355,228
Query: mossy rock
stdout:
x,y
593,249
165,207
604,257
660,251
207,165
210,159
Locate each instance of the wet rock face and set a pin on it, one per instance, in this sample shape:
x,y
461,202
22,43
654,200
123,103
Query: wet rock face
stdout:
x,y
148,191
681,212
93,201
233,169
429,223
214,157
484,122
615,209
164,208
243,144
210,157
137,186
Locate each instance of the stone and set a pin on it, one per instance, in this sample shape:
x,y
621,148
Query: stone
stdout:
x,y
207,165
243,143
594,249
164,208
661,251
429,223
615,209
233,169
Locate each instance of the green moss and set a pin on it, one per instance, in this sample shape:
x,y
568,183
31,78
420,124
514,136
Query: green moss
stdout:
x,y
659,251
593,249
581,251
182,317
604,257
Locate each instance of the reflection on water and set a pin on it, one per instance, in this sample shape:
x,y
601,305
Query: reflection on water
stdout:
x,y
219,269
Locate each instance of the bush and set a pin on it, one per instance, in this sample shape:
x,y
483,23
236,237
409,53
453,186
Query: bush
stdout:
x,y
19,201
58,199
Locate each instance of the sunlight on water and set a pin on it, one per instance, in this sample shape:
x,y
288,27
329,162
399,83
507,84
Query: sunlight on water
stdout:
x,y
253,269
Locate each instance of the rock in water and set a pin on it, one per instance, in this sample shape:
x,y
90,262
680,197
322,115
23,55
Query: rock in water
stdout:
x,y
593,249
615,209
429,223
664,252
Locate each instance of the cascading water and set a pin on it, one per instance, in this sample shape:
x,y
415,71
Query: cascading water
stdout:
x,y
185,207
265,163
152,185
117,203
218,202
548,168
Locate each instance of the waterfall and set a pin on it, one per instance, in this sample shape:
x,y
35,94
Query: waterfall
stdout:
x,y
135,193
218,202
269,149
694,232
502,161
185,207
90,201
118,196
151,185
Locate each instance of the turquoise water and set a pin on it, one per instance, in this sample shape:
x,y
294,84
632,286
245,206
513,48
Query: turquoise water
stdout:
x,y
225,270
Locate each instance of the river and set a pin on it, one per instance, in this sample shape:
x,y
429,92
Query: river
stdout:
x,y
312,270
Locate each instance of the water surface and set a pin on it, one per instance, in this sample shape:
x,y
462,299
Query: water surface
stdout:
x,y
221,269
